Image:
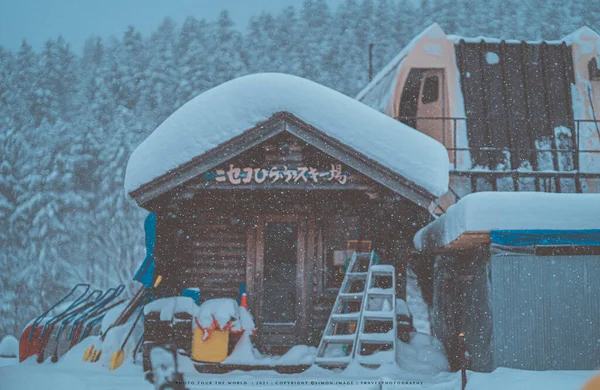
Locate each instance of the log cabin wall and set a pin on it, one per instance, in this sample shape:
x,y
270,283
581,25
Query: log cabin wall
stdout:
x,y
213,255
212,241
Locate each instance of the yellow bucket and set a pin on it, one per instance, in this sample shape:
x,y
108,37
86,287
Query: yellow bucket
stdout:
x,y
211,350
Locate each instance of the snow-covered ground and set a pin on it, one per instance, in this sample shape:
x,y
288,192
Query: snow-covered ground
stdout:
x,y
87,376
421,366
72,374
506,378
8,362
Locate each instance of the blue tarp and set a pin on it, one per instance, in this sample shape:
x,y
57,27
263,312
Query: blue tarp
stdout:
x,y
545,237
145,274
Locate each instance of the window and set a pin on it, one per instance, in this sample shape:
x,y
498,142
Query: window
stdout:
x,y
594,69
336,262
430,90
337,230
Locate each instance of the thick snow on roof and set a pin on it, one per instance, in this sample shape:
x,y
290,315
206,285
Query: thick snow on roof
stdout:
x,y
229,109
480,38
577,36
486,211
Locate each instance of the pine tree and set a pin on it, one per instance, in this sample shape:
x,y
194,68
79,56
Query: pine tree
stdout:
x,y
227,59
556,14
159,87
385,43
260,44
405,25
95,98
314,33
128,69
192,59
25,84
287,41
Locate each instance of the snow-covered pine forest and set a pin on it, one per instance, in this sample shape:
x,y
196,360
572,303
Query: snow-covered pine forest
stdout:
x,y
69,121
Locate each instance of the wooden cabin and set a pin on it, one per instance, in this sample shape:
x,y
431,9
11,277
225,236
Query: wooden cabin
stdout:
x,y
272,181
514,115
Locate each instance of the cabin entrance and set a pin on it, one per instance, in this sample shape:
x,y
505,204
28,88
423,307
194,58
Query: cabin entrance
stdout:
x,y
280,282
422,104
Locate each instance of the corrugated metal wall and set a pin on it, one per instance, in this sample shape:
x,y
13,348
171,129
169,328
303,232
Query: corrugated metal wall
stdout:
x,y
515,96
546,312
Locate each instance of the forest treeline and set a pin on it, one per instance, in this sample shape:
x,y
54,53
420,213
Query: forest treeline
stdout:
x,y
69,121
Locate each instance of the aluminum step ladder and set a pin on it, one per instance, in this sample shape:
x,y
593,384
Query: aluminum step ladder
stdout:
x,y
362,324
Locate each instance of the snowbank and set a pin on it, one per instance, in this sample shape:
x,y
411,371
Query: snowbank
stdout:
x,y
9,347
486,211
245,353
507,378
221,310
229,109
111,316
167,307
78,375
402,307
114,340
423,354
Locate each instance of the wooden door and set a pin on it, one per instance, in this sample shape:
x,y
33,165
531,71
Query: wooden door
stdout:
x,y
280,283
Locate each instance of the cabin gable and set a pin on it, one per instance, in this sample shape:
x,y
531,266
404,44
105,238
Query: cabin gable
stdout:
x,y
214,162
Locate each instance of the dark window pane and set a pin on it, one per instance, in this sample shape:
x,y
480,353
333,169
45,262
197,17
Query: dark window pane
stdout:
x,y
430,90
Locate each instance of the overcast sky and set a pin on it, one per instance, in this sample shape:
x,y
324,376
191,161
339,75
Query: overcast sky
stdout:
x,y
76,20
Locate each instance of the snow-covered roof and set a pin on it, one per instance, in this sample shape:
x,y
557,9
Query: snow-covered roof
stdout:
x,y
574,37
228,110
487,211
481,38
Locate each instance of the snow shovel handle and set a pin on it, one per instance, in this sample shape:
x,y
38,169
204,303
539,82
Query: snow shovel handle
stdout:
x,y
108,296
132,327
43,315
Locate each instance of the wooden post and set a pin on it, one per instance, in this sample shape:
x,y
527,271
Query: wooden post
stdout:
x,y
463,355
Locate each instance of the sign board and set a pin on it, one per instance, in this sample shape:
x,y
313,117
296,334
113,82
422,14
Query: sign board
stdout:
x,y
247,175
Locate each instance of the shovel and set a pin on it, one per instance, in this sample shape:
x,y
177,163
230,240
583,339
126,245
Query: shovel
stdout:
x,y
139,299
118,357
93,355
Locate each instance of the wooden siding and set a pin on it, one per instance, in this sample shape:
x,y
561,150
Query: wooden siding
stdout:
x,y
213,256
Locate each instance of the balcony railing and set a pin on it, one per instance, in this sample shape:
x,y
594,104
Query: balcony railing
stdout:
x,y
570,148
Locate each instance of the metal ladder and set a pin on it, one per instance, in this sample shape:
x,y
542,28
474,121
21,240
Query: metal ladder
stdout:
x,y
362,324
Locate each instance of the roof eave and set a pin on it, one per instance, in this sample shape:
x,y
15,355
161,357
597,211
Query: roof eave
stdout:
x,y
280,122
